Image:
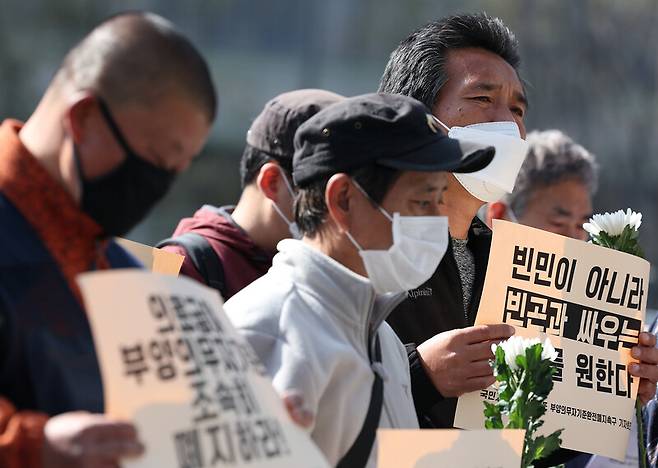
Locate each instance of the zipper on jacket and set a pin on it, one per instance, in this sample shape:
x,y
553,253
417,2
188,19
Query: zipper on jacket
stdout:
x,y
389,307
371,330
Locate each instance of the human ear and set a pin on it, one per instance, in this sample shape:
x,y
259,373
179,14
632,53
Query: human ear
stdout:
x,y
77,117
339,198
269,180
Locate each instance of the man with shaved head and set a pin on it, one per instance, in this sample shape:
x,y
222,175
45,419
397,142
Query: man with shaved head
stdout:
x,y
129,108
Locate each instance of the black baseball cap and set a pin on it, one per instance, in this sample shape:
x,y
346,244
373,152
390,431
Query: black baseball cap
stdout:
x,y
274,129
387,129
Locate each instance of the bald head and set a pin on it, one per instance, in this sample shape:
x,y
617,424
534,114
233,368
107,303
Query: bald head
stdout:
x,y
138,58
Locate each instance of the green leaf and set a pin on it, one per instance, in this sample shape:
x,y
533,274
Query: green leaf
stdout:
x,y
626,242
541,447
493,416
547,445
521,361
522,394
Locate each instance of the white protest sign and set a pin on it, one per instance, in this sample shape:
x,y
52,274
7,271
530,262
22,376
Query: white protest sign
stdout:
x,y
172,363
590,302
450,447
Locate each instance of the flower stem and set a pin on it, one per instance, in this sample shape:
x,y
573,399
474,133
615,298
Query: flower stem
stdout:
x,y
641,445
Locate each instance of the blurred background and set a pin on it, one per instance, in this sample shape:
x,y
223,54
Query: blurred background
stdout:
x,y
591,68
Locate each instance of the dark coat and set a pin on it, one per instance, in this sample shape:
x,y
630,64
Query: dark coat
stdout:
x,y
241,259
48,361
438,306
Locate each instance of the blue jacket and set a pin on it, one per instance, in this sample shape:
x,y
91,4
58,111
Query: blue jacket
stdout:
x,y
651,418
47,357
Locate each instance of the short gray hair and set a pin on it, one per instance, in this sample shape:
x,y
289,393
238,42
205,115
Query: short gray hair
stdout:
x,y
552,157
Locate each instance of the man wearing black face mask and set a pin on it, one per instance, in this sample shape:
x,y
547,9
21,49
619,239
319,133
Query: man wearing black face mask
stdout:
x,y
129,108
136,184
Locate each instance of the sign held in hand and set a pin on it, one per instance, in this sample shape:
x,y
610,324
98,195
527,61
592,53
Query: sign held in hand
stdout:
x,y
590,302
172,363
153,258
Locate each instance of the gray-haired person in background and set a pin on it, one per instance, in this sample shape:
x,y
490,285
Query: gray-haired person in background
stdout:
x,y
554,188
554,192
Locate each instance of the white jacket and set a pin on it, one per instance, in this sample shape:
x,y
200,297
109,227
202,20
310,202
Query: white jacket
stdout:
x,y
309,319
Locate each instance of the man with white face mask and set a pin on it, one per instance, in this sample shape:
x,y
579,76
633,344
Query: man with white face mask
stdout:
x,y
229,247
465,68
370,175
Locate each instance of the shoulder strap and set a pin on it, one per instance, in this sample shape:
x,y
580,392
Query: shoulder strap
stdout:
x,y
359,452
203,256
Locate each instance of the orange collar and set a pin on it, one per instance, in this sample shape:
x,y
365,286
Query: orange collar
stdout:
x,y
71,237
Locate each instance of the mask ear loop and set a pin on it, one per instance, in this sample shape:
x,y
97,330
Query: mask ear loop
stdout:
x,y
280,213
365,194
292,194
382,210
353,240
114,128
441,123
287,182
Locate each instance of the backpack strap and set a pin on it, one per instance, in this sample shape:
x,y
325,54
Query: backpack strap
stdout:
x,y
203,257
359,452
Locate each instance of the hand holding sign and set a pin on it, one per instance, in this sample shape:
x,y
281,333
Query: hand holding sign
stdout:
x,y
80,439
647,368
300,415
457,361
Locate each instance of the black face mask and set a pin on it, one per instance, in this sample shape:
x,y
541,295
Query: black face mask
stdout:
x,y
119,200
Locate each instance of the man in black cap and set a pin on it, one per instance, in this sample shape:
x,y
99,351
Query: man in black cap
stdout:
x,y
370,172
229,247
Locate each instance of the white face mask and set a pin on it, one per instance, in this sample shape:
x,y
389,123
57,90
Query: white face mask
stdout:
x,y
419,243
497,179
292,226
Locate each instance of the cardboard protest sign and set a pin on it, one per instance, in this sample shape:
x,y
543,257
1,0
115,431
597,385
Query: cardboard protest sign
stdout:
x,y
438,447
590,301
154,259
632,459
172,362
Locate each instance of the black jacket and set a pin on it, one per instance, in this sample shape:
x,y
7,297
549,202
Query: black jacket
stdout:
x,y
438,306
651,417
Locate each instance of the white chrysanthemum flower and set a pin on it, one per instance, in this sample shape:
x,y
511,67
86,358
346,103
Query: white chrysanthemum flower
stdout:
x,y
548,351
613,224
516,346
513,347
